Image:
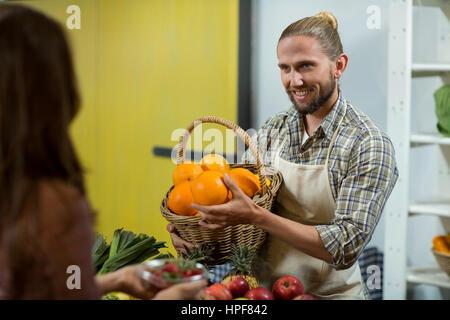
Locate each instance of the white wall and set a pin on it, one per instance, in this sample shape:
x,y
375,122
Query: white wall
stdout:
x,y
364,81
429,164
364,84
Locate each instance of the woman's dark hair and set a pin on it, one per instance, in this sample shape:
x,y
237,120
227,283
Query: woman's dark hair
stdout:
x,y
38,101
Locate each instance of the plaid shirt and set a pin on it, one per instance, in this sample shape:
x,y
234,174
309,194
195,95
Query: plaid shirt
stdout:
x,y
362,170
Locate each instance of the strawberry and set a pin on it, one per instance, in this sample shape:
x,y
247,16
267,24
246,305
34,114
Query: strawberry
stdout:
x,y
170,268
190,273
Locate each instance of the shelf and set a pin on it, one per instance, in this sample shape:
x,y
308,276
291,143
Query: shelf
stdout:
x,y
429,138
430,67
428,275
430,208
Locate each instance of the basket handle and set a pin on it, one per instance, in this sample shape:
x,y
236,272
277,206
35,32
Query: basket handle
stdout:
x,y
237,130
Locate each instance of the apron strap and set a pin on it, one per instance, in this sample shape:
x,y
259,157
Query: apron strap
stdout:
x,y
333,140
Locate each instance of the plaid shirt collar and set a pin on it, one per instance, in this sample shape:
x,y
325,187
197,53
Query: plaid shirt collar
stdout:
x,y
331,121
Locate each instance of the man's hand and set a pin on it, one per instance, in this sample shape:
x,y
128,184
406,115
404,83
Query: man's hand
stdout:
x,y
178,243
239,210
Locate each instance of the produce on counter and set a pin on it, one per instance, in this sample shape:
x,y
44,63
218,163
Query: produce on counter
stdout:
x,y
259,293
242,258
304,297
100,251
200,254
217,291
238,287
126,248
287,288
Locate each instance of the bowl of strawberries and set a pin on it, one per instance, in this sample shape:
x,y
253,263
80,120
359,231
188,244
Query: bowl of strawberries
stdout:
x,y
163,273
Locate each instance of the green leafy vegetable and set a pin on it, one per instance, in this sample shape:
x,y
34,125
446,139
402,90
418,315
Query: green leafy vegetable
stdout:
x,y
100,251
125,249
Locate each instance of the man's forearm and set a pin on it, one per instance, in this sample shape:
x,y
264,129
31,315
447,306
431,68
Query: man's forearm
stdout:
x,y
302,237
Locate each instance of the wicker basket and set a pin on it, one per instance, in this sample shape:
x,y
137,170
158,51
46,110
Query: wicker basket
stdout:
x,y
443,260
221,239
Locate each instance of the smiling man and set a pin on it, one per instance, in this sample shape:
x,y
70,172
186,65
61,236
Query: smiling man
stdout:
x,y
338,171
309,83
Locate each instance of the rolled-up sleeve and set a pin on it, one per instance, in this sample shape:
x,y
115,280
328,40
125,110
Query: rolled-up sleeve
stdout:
x,y
370,178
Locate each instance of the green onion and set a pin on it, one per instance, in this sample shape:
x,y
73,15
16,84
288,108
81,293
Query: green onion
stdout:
x,y
100,251
126,249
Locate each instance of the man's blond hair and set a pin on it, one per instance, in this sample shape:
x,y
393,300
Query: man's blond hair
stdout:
x,y
323,27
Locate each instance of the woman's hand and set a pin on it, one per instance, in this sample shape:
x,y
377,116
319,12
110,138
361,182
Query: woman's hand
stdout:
x,y
239,210
133,284
127,280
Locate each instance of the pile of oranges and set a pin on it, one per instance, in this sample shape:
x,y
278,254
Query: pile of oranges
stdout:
x,y
203,183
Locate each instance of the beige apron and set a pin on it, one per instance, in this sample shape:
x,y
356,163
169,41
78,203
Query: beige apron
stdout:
x,y
306,197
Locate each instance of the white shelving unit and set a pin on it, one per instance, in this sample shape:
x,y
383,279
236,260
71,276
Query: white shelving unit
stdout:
x,y
428,275
429,138
429,67
430,208
400,207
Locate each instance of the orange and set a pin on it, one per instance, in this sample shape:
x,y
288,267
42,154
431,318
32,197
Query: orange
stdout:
x,y
215,162
246,180
440,244
209,189
267,181
186,171
180,199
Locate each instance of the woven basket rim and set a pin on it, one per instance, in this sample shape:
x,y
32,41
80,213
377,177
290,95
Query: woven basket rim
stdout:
x,y
441,254
241,133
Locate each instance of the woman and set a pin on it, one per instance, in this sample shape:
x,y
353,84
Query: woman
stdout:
x,y
45,219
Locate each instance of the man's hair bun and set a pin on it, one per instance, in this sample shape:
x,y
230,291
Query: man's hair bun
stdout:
x,y
329,17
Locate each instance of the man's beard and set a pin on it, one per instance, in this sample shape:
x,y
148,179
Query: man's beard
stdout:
x,y
318,101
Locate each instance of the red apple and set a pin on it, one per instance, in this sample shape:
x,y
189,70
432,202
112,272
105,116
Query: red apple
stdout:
x,y
304,297
238,287
207,296
217,291
259,293
287,287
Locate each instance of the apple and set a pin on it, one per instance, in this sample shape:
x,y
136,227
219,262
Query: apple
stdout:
x,y
259,293
287,287
238,286
217,291
304,297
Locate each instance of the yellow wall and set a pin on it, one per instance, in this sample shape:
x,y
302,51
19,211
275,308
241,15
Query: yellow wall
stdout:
x,y
145,68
